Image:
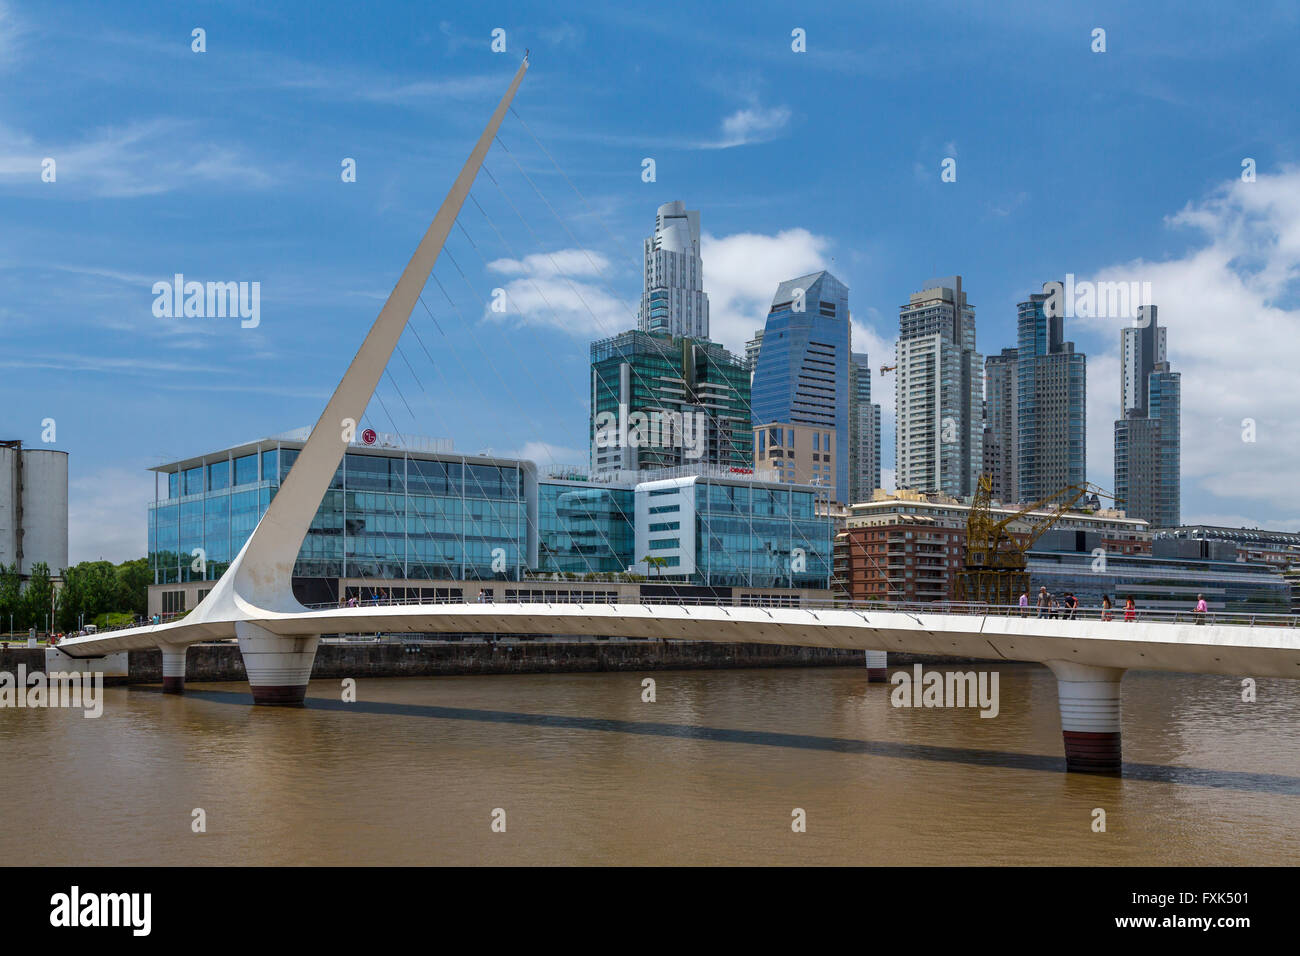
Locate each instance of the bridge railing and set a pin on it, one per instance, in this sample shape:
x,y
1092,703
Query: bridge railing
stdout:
x,y
970,609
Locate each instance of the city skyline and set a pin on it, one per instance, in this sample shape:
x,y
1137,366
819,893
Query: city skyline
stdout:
x,y
128,388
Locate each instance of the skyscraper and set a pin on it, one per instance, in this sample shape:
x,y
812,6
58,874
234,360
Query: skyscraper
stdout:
x,y
864,432
802,374
673,301
1147,443
939,386
1051,448
1001,431
659,402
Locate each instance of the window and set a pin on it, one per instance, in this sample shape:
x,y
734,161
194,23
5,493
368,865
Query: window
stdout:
x,y
665,544
663,491
666,526
246,470
173,602
218,475
665,509
270,466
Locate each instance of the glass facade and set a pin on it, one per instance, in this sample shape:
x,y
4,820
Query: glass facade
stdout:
x,y
584,529
752,536
802,374
384,516
1051,423
637,373
1161,583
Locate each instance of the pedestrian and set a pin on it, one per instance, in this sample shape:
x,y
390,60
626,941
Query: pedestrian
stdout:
x,y
1130,609
1105,607
1024,603
1071,605
1044,601
1201,608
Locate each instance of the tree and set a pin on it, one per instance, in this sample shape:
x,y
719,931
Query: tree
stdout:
x,y
10,597
656,562
38,597
133,580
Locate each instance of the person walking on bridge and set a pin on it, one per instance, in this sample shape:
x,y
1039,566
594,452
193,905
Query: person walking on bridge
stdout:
x,y
1130,609
1201,608
1024,603
1105,607
1044,601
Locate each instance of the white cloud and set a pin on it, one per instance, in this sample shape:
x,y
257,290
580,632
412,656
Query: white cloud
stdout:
x,y
562,262
549,290
752,125
106,515
140,159
1234,333
742,271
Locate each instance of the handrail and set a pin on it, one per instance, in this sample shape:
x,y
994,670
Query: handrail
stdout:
x,y
968,609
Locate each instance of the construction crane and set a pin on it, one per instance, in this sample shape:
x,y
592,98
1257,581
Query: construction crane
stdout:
x,y
887,368
995,570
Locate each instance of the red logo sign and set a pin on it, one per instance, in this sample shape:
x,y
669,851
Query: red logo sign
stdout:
x,y
368,436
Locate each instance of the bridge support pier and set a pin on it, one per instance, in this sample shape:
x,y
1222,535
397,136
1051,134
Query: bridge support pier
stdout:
x,y
278,666
877,667
173,661
1090,723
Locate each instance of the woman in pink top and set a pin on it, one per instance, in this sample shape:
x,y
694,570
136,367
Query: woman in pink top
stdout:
x,y
1201,608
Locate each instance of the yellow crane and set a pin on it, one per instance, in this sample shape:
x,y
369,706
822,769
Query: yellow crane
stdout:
x,y
995,569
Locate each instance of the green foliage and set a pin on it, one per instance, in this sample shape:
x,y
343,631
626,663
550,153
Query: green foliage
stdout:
x,y
10,598
99,590
37,598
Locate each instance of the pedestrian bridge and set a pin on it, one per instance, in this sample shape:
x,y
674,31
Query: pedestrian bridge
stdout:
x,y
253,600
1088,654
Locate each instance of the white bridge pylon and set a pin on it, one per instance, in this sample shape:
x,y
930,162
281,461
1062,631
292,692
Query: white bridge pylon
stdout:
x,y
253,601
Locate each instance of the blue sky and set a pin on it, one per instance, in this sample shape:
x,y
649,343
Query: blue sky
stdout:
x,y
225,166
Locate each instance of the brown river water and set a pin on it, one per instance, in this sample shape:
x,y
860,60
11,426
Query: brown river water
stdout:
x,y
586,772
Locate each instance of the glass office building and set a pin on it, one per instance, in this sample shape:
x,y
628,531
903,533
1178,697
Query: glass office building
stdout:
x,y
719,532
390,512
802,373
409,519
584,528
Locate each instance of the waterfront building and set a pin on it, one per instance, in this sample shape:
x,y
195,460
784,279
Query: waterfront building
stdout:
x,y
719,531
1164,580
33,508
1147,436
1051,423
673,301
908,546
1001,427
864,431
1279,549
408,518
659,402
939,389
802,373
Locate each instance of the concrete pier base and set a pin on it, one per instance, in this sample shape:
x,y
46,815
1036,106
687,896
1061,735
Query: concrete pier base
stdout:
x,y
1090,716
877,667
278,666
173,667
